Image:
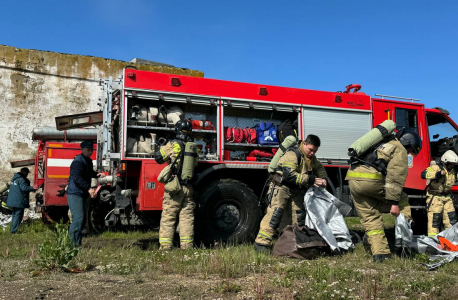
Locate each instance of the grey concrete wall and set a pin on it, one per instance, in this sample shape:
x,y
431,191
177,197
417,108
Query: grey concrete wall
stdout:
x,y
36,86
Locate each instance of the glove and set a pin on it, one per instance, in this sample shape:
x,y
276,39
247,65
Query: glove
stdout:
x,y
61,193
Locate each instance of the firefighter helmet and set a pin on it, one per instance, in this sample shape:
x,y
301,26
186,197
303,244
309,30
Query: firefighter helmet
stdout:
x,y
183,129
410,139
450,157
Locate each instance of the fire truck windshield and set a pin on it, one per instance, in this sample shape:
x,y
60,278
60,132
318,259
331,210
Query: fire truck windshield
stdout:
x,y
443,135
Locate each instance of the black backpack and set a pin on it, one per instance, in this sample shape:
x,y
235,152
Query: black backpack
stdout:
x,y
286,128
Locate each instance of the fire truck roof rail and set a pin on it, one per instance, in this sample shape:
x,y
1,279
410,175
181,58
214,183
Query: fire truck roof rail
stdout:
x,y
396,97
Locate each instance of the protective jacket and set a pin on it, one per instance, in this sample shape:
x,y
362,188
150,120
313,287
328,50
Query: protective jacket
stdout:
x,y
170,151
18,195
438,183
394,155
297,171
81,173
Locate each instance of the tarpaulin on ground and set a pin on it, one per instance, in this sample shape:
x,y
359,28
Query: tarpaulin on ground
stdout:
x,y
432,247
4,220
325,214
403,235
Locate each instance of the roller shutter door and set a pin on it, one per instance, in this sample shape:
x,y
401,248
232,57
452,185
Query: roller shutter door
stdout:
x,y
337,130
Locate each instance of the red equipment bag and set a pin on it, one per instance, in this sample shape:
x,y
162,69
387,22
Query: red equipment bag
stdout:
x,y
260,153
238,135
202,125
251,137
245,135
228,137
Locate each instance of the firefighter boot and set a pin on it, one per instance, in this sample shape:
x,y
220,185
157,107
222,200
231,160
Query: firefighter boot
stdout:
x,y
165,247
262,248
381,257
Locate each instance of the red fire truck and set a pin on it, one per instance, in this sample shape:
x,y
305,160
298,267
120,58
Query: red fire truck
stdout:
x,y
55,153
228,186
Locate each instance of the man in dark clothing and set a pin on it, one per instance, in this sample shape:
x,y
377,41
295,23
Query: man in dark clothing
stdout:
x,y
79,189
18,197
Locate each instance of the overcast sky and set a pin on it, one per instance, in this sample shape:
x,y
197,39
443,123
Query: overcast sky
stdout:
x,y
405,48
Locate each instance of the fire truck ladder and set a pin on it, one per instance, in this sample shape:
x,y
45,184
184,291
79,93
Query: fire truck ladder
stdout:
x,y
104,153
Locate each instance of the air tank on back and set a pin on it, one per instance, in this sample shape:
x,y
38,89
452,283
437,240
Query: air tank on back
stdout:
x,y
372,138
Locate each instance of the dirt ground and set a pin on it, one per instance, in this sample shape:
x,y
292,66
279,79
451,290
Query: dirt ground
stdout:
x,y
92,285
128,265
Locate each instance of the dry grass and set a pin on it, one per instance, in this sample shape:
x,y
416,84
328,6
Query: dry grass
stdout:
x,y
132,267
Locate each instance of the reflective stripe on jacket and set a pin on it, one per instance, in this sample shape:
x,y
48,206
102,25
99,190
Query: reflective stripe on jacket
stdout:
x,y
394,155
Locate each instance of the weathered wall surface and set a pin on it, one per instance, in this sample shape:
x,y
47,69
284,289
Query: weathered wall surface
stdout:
x,y
36,86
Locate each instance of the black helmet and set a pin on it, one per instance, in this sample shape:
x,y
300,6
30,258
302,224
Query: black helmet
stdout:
x,y
183,129
410,139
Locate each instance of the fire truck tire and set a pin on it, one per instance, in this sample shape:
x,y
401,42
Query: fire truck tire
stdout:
x,y
96,216
228,212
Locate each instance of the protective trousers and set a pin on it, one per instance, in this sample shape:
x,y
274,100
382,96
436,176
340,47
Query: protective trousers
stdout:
x,y
440,208
369,199
179,205
286,207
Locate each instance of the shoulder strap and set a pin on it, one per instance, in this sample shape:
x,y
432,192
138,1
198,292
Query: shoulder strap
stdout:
x,y
296,151
175,161
182,149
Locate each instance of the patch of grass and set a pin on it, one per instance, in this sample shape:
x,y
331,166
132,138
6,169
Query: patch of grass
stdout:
x,y
228,288
58,251
234,271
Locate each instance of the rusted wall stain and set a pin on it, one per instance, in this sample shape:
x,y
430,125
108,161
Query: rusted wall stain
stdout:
x,y
36,86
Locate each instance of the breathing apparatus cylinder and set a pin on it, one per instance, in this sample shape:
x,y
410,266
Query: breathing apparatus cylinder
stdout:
x,y
372,138
190,156
289,141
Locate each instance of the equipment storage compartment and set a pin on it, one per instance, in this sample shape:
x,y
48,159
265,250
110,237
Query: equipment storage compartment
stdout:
x,y
151,117
250,129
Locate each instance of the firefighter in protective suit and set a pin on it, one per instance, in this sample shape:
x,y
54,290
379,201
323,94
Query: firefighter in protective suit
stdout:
x,y
297,170
180,203
377,190
439,202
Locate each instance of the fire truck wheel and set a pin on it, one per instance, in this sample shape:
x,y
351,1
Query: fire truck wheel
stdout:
x,y
96,216
228,212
